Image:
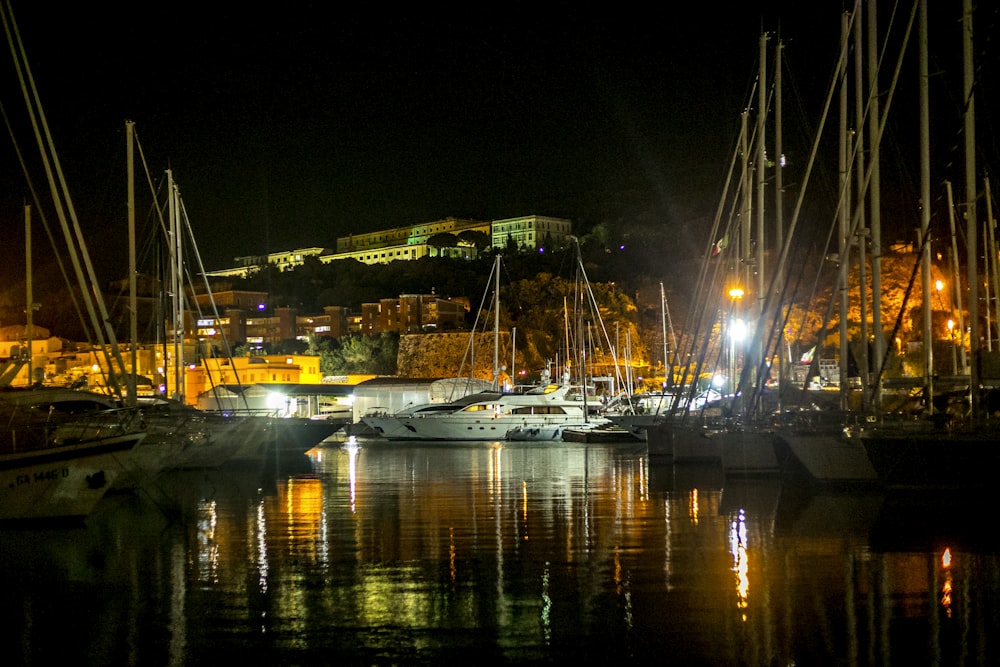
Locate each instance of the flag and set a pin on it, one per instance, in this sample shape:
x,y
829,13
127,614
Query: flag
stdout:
x,y
720,245
807,358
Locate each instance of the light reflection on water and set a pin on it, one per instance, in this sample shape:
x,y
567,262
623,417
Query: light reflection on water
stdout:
x,y
402,553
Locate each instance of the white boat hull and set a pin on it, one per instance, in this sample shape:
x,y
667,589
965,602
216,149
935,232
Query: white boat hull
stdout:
x,y
444,427
830,457
64,482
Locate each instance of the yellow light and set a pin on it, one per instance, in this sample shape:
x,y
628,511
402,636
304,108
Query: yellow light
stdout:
x,y
736,293
951,324
938,285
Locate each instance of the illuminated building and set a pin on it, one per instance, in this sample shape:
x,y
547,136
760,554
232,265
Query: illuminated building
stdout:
x,y
412,242
531,231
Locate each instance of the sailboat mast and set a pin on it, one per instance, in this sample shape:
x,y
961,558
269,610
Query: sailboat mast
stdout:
x,y
972,228
779,221
875,193
862,235
991,248
176,285
757,354
925,212
496,324
566,330
132,296
29,294
844,217
667,374
955,273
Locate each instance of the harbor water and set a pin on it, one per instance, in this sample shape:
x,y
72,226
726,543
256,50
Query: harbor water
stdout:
x,y
378,553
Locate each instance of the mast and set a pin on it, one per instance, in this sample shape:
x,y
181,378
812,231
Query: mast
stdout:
x,y
29,294
925,213
862,236
496,324
132,297
956,275
757,353
843,216
667,374
875,190
991,247
176,285
779,222
513,356
566,330
972,258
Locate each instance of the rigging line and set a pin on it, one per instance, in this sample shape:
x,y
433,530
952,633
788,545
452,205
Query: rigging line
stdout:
x,y
899,316
208,290
47,227
593,304
470,347
696,318
58,187
783,257
841,63
856,216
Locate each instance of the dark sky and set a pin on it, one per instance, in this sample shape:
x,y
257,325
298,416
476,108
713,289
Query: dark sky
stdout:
x,y
291,124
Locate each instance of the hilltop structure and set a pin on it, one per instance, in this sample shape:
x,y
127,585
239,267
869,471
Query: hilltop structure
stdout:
x,y
531,232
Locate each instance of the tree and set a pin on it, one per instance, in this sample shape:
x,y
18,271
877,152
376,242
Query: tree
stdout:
x,y
442,240
360,354
511,247
477,239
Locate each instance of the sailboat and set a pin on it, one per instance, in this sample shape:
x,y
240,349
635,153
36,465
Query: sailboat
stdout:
x,y
206,438
941,451
59,464
634,414
538,412
718,413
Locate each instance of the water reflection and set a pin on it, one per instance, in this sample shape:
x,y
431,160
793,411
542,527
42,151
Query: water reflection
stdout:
x,y
376,553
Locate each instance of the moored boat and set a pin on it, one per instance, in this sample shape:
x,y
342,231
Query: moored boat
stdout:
x,y
921,456
483,416
61,470
598,431
823,446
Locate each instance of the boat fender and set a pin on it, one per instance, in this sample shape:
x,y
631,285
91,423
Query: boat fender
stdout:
x,y
97,481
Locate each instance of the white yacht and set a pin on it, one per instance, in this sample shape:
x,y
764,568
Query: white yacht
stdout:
x,y
489,415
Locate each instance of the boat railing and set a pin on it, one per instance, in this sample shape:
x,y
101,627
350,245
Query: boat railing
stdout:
x,y
31,431
247,412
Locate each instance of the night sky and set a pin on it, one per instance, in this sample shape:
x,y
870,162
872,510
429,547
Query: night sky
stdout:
x,y
288,125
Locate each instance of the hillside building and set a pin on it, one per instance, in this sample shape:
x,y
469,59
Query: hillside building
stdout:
x,y
530,232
